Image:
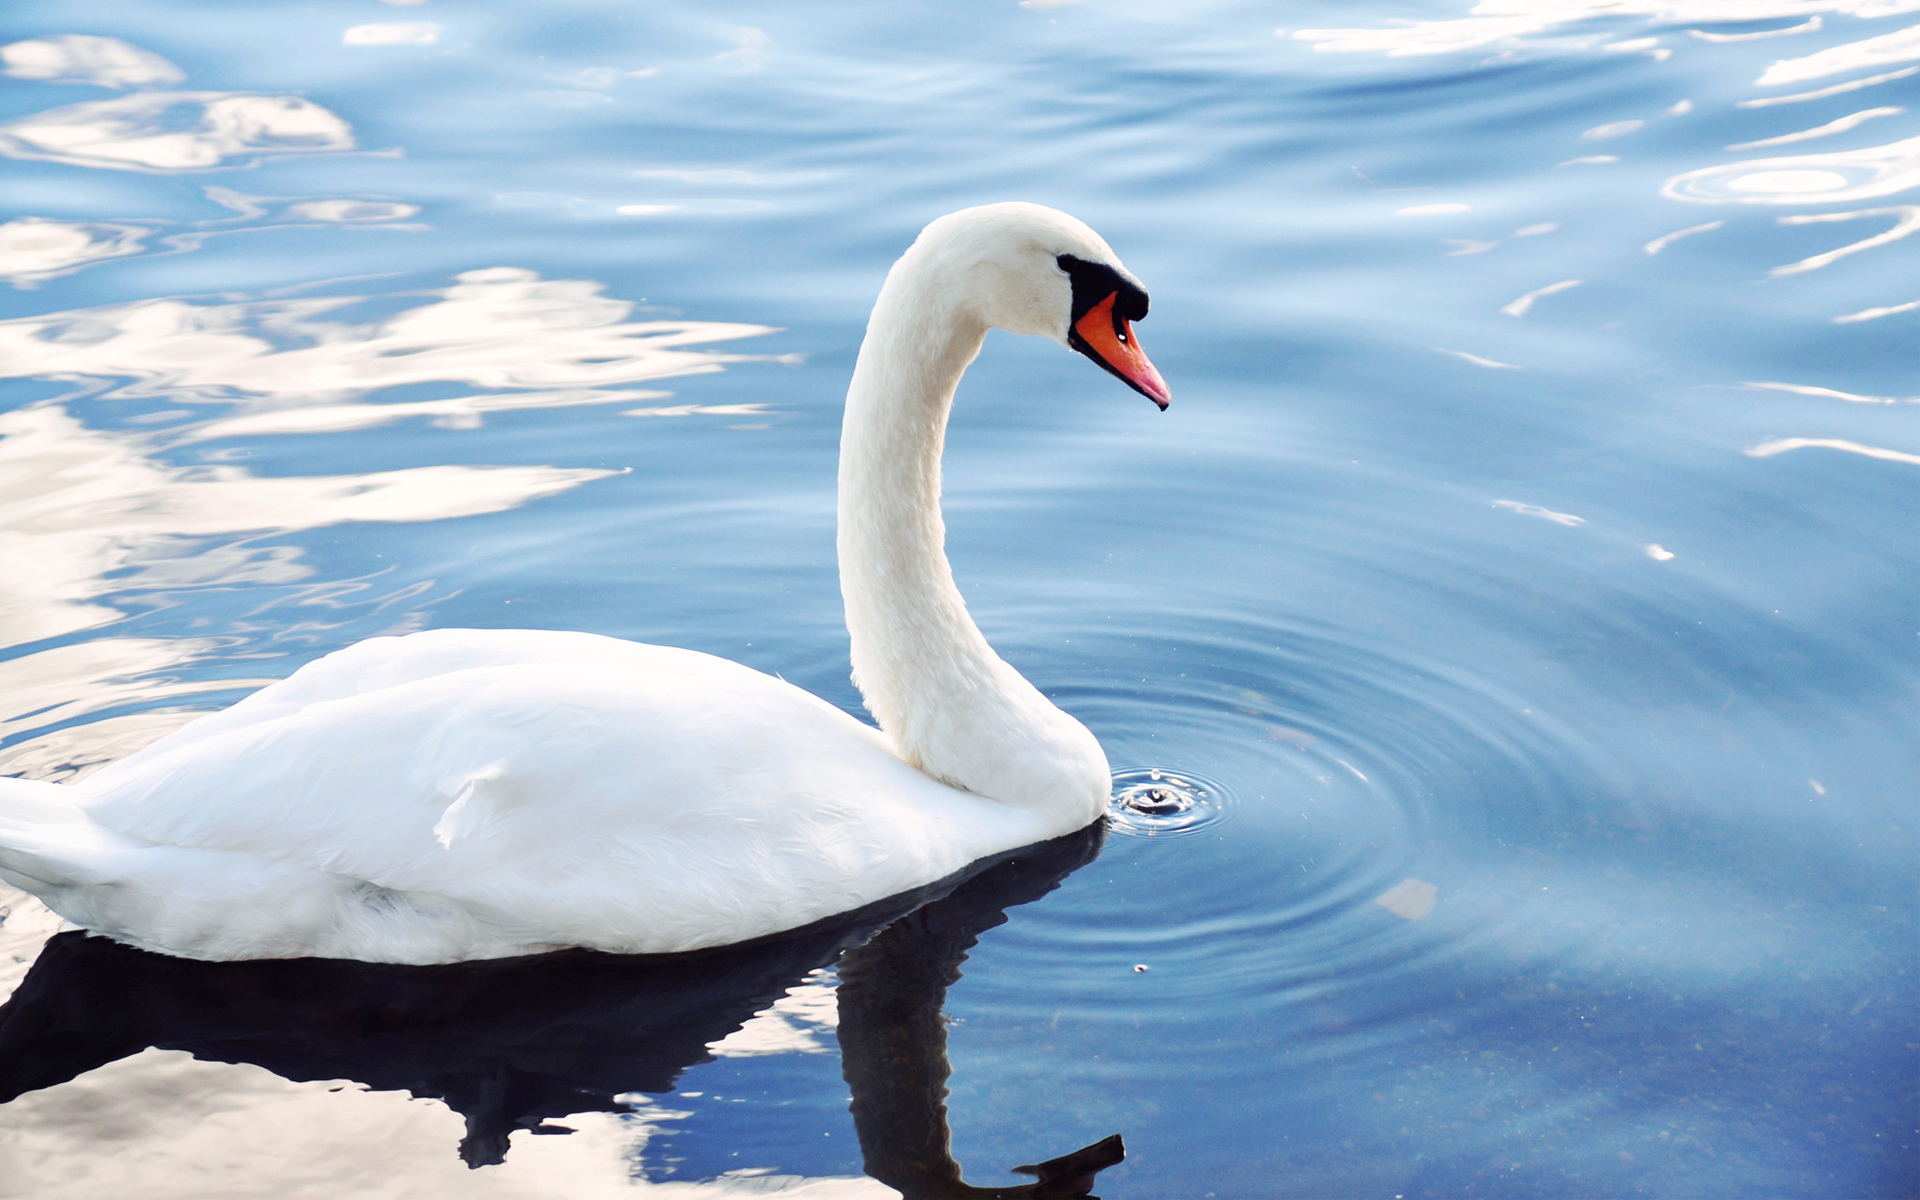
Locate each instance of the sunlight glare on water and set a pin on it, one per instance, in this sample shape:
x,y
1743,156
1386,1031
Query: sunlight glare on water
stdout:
x,y
1508,641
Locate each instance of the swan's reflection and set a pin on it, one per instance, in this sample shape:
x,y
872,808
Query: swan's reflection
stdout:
x,y
893,1036
509,1044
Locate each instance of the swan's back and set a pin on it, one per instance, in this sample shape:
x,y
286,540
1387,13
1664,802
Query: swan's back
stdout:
x,y
509,791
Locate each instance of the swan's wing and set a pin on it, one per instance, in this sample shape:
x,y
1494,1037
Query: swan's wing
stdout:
x,y
700,801
380,663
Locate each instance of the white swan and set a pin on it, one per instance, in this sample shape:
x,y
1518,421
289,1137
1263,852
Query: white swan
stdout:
x,y
465,793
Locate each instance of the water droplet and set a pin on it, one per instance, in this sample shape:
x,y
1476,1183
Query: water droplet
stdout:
x,y
1150,802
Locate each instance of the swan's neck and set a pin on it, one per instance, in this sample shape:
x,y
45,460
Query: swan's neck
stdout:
x,y
951,705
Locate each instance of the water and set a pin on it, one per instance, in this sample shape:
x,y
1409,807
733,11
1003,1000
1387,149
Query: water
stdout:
x,y
1526,560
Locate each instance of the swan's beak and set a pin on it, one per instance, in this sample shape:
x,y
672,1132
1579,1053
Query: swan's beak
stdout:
x,y
1109,340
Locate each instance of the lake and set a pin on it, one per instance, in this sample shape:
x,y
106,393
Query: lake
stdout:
x,y
1525,571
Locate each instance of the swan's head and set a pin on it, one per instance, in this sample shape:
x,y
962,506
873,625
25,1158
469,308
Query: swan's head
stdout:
x,y
1030,269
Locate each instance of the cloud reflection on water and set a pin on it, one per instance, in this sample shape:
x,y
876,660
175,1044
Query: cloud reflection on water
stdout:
x,y
83,58
1903,46
1838,125
168,132
182,1129
1906,222
1827,178
79,505
1874,314
1838,89
501,327
1501,22
34,248
87,513
1782,445
1810,25
404,33
793,1025
37,248
126,670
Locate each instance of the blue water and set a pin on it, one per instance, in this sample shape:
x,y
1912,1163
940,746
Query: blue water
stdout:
x,y
1535,588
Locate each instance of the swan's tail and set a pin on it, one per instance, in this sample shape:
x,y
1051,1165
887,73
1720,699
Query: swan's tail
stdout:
x,y
46,841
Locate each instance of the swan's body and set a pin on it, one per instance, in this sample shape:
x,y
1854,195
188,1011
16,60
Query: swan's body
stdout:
x,y
466,794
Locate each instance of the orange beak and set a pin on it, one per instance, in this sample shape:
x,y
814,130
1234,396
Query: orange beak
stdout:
x,y
1110,341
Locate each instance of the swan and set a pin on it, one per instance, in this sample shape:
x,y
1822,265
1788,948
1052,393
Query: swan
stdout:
x,y
471,794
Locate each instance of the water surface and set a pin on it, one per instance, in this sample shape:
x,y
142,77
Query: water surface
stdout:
x,y
1527,561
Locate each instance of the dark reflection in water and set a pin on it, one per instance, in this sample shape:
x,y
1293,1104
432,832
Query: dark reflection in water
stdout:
x,y
893,1035
511,1044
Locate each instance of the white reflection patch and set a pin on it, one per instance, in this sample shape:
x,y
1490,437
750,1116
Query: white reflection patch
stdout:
x,y
72,753
83,58
793,1025
1667,239
165,132
1782,445
718,175
33,249
1787,182
1505,22
162,1124
1903,46
1478,361
1852,85
24,924
352,211
400,33
689,410
1874,314
1523,305
501,327
38,689
1906,221
1565,519
1410,899
37,248
1806,179
1801,389
1423,37
459,412
1613,129
749,51
1810,25
80,505
1545,514
1840,125
88,512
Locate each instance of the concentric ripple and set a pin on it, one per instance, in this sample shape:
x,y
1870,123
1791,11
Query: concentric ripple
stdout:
x,y
1332,780
1151,802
